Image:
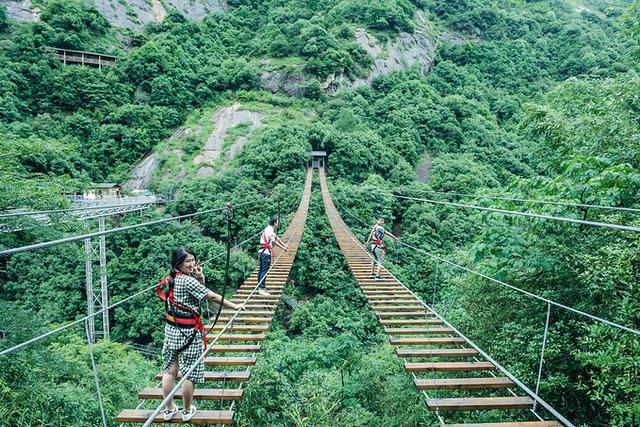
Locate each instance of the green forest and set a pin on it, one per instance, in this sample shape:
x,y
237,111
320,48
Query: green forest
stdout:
x,y
524,99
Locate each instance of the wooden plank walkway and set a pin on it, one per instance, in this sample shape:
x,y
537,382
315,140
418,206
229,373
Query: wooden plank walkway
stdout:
x,y
238,348
417,333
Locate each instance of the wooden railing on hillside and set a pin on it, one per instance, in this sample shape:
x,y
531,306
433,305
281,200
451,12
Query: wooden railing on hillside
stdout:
x,y
83,58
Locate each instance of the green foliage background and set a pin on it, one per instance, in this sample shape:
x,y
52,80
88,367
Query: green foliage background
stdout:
x,y
536,99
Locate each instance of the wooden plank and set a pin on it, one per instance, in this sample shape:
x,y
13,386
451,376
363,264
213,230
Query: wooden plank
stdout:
x,y
436,352
404,322
392,301
201,417
235,348
479,403
510,424
246,292
393,307
447,366
256,297
243,320
385,291
256,313
387,297
229,361
238,337
245,328
426,341
233,376
254,304
391,318
198,394
417,331
460,383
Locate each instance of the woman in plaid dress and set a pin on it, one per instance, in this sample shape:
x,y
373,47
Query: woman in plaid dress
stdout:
x,y
183,345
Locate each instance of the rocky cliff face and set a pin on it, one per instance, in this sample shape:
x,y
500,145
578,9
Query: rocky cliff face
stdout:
x,y
406,50
21,11
131,14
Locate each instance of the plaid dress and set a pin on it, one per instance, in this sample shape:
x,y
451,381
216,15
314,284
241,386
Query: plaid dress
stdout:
x,y
187,292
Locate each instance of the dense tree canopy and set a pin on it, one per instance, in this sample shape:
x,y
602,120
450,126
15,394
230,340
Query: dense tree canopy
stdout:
x,y
535,99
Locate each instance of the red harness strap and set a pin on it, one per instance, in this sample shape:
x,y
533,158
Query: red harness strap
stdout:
x,y
195,321
377,241
265,245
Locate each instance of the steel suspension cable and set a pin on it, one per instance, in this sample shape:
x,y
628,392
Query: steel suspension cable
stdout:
x,y
84,209
515,288
536,201
518,213
42,245
83,319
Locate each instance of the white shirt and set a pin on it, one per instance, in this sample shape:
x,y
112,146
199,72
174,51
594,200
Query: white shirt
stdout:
x,y
268,237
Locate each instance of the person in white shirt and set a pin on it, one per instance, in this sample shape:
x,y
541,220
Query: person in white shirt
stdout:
x,y
267,240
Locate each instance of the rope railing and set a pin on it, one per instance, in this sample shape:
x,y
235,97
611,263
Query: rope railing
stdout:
x,y
512,287
50,243
518,213
114,305
533,201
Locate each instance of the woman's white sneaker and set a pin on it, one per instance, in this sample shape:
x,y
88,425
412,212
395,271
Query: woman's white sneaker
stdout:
x,y
169,413
187,415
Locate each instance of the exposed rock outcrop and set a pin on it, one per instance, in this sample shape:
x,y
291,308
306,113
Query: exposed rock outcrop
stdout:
x,y
21,11
290,83
214,154
405,51
133,14
143,171
223,120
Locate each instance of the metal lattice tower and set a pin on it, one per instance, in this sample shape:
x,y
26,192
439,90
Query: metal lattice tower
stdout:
x,y
97,298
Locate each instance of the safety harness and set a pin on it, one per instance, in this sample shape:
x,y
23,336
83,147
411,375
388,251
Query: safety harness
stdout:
x,y
377,241
191,321
266,245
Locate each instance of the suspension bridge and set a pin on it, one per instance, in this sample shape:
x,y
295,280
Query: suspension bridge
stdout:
x,y
453,373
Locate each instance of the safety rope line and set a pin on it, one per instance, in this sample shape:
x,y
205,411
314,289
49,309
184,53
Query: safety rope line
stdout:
x,y
515,288
536,201
530,294
518,213
112,231
84,209
83,319
544,345
95,373
151,417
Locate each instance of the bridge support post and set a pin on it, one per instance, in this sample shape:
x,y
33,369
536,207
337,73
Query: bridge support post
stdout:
x,y
88,266
97,299
104,291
